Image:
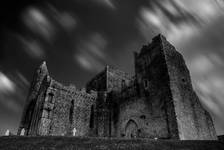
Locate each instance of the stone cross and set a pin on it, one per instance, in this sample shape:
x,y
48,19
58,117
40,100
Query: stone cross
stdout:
x,y
22,132
7,132
74,131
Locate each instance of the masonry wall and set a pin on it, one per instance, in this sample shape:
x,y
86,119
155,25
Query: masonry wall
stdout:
x,y
35,120
72,109
194,122
148,124
150,67
118,84
102,116
40,74
98,83
82,112
158,102
47,110
117,80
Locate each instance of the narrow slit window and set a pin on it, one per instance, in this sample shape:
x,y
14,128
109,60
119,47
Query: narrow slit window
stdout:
x,y
51,96
91,124
71,112
146,83
123,84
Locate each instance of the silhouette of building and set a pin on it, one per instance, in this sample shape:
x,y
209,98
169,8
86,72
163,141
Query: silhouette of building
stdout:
x,y
158,102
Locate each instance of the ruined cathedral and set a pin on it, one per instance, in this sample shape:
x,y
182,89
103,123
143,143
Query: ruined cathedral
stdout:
x,y
158,101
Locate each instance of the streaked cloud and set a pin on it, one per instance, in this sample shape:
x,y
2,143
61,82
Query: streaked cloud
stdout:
x,y
89,62
48,20
38,22
107,3
220,3
6,85
193,27
202,9
66,20
83,61
211,95
201,65
207,72
13,90
96,45
177,18
110,4
90,52
32,47
158,22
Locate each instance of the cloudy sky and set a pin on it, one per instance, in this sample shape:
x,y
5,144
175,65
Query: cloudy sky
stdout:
x,y
78,38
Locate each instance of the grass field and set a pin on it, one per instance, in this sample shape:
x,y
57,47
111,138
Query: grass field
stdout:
x,y
87,143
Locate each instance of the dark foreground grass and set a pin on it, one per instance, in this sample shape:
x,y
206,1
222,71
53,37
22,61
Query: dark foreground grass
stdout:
x,y
86,143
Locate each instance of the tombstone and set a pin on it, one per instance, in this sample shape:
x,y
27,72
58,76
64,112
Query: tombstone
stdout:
x,y
7,133
74,131
22,133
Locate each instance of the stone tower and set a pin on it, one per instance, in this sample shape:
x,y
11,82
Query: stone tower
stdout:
x,y
163,78
193,121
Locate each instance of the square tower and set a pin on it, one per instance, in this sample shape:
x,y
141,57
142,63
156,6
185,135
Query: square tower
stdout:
x,y
163,77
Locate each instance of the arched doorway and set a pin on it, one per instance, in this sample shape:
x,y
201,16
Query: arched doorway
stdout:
x,y
131,129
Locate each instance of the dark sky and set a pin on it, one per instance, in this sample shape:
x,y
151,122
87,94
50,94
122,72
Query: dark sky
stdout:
x,y
78,38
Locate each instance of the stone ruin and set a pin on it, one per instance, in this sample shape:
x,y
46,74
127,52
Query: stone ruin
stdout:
x,y
158,102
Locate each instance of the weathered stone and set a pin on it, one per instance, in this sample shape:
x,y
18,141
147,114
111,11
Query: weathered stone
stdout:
x,y
158,102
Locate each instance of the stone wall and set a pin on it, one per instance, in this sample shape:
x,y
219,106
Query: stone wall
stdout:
x,y
102,116
47,110
152,85
36,118
117,80
59,109
30,105
72,109
158,102
149,124
194,122
98,83
110,79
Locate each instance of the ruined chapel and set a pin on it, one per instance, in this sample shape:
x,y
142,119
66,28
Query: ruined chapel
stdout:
x,y
158,101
